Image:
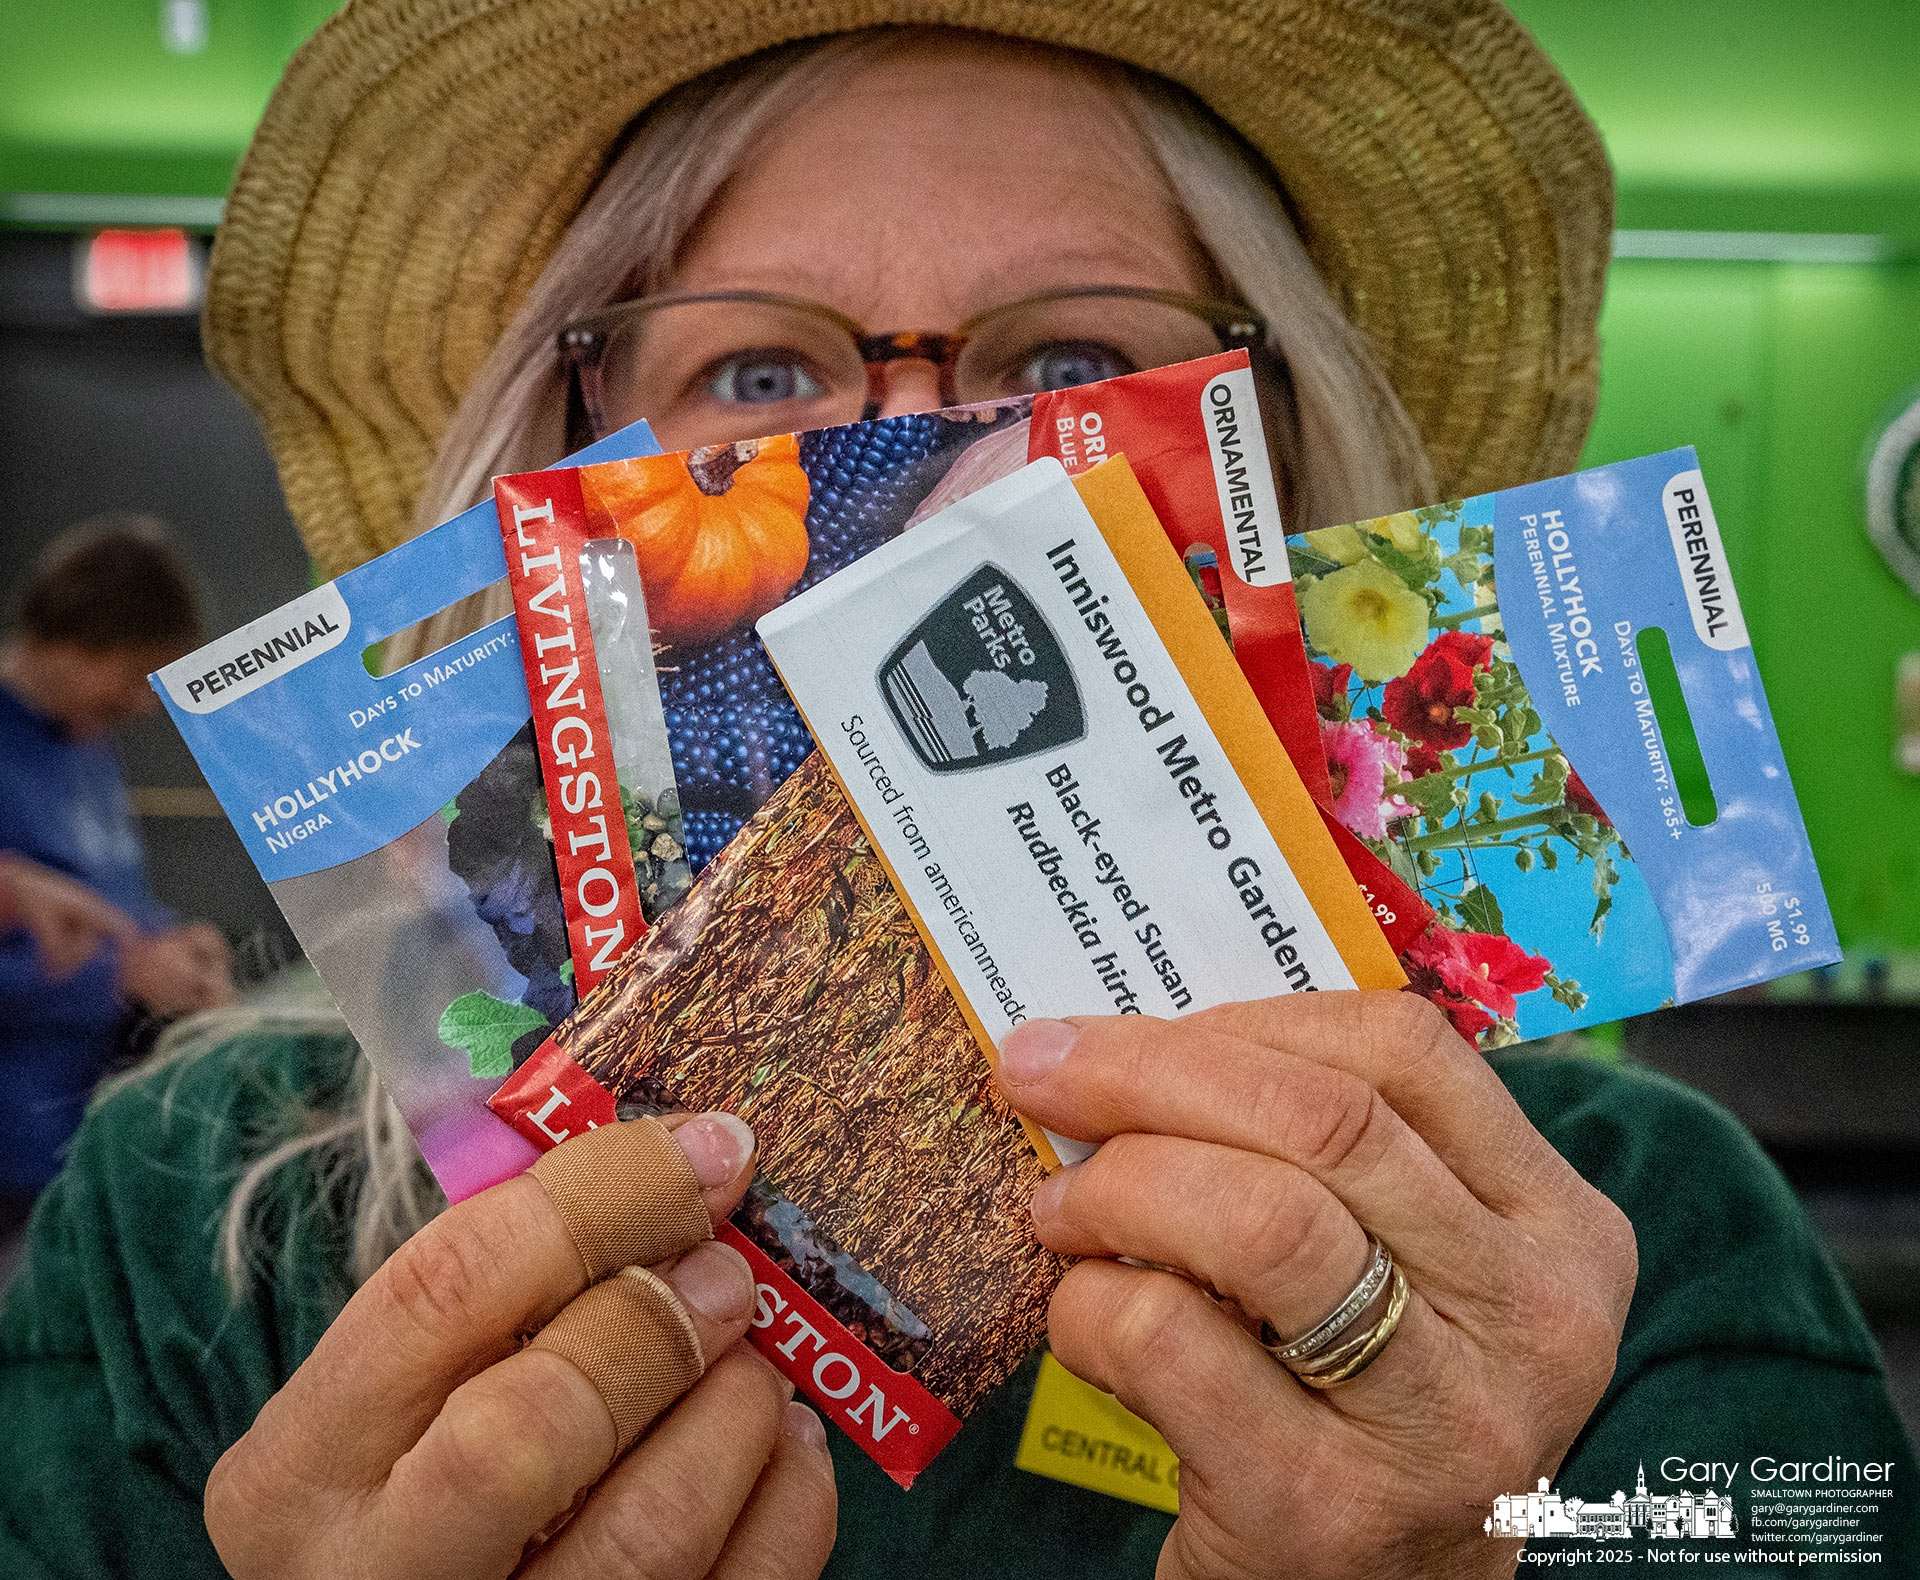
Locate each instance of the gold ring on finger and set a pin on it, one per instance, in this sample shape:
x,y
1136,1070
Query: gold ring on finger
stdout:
x,y
1364,1348
1348,1339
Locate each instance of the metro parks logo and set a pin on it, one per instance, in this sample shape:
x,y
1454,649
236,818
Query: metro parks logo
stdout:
x,y
981,679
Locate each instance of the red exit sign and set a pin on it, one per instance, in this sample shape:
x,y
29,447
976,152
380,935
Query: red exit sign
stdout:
x,y
139,271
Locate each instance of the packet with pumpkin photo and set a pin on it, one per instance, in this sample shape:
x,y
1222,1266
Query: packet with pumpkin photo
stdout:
x,y
1045,788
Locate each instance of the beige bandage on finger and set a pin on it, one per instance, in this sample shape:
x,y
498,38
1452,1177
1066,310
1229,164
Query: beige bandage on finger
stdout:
x,y
635,1343
627,1195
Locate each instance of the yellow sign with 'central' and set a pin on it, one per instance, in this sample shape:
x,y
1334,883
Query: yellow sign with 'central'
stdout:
x,y
1078,1434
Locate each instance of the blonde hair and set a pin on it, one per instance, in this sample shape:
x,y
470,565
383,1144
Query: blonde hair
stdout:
x,y
361,1160
1346,450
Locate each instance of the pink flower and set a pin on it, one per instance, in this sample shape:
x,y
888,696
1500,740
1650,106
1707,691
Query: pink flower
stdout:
x,y
1358,758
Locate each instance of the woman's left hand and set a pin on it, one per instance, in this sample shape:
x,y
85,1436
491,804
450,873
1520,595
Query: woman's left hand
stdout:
x,y
1254,1147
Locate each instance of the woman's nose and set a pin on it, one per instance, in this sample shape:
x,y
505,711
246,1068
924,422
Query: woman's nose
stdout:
x,y
911,384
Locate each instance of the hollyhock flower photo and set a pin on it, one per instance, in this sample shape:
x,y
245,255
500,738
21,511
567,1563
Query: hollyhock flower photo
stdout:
x,y
1330,689
1488,968
1420,704
1365,615
1580,798
1359,759
1439,762
1422,760
1404,531
1467,1017
1343,545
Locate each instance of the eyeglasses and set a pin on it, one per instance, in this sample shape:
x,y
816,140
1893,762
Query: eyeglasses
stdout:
x,y
719,366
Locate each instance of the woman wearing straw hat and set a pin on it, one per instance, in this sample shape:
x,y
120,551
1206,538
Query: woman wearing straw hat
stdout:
x,y
1436,1259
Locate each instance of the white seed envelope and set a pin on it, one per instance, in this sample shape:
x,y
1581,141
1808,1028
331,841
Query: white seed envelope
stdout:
x,y
1033,767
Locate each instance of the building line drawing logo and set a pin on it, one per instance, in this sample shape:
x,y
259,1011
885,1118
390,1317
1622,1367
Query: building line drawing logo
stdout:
x,y
981,679
1676,1516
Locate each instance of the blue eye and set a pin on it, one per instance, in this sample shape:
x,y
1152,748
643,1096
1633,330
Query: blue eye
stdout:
x,y
763,378
1062,364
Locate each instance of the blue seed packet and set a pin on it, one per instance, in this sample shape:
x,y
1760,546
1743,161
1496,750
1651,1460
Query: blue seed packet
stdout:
x,y
400,823
1492,732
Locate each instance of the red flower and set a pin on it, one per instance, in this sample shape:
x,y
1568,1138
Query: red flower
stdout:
x,y
1468,1019
1580,798
1420,703
1487,968
1330,689
1421,759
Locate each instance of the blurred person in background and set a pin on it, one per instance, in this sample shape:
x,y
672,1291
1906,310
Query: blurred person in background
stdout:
x,y
82,939
66,921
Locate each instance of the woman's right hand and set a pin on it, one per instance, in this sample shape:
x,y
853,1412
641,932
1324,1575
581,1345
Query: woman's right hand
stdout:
x,y
421,1440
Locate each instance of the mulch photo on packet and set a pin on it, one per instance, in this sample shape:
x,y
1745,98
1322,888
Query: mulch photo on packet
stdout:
x,y
889,1227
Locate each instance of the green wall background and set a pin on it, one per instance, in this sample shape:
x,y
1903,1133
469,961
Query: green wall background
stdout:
x,y
1772,116
1721,115
1779,374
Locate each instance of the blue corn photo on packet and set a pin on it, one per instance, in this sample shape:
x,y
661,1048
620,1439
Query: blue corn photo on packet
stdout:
x,y
1488,675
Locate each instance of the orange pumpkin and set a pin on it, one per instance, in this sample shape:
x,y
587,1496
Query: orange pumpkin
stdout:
x,y
720,533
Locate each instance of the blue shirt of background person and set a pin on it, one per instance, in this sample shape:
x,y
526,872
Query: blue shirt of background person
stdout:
x,y
107,602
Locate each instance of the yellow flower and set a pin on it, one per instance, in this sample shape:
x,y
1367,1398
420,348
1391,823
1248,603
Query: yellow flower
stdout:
x,y
1338,543
1403,531
1366,616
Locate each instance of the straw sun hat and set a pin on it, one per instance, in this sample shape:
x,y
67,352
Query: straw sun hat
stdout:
x,y
421,158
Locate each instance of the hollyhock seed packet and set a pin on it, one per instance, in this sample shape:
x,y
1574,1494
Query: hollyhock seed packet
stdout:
x,y
1481,671
400,820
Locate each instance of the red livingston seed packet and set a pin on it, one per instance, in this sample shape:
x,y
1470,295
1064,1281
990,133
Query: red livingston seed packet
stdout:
x,y
791,987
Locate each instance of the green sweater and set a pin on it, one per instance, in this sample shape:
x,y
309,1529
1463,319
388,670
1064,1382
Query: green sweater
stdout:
x,y
125,1370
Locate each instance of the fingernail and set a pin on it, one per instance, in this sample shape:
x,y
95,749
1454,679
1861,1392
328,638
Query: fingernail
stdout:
x,y
717,1145
1034,1049
1045,1201
803,1426
716,1281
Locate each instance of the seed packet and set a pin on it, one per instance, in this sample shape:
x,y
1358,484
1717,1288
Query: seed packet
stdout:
x,y
723,534
1486,678
1077,830
837,972
400,819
